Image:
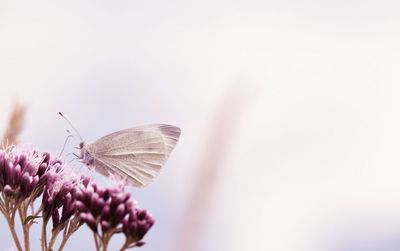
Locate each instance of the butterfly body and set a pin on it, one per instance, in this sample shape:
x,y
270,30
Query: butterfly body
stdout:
x,y
86,156
134,156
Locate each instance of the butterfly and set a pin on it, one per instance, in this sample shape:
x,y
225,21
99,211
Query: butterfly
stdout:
x,y
134,156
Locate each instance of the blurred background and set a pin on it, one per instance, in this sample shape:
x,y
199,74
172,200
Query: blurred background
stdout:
x,y
289,112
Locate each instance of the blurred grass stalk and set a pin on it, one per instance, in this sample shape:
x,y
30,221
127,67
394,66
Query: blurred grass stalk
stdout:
x,y
14,126
220,136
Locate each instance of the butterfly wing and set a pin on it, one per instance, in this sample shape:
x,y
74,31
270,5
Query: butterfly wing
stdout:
x,y
134,155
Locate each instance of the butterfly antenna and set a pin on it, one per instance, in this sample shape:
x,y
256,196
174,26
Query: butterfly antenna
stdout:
x,y
65,143
72,126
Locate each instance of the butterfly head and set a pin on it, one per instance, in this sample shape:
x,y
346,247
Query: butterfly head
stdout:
x,y
86,157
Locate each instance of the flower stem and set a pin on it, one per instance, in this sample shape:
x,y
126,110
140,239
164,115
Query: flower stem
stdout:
x,y
22,211
125,246
96,241
106,239
26,238
105,245
70,228
14,234
129,243
11,224
44,235
53,239
64,241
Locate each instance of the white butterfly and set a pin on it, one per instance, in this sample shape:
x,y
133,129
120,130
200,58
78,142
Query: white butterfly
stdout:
x,y
134,156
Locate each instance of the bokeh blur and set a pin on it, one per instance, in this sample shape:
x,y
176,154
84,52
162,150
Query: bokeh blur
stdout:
x,y
289,110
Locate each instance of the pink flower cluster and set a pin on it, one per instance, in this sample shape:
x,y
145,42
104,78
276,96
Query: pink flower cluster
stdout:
x,y
68,199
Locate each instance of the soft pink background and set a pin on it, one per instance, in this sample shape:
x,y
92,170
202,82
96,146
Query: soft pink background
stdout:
x,y
308,159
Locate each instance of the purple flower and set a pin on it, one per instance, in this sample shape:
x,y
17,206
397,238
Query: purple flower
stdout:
x,y
111,210
23,173
68,199
137,224
59,195
101,208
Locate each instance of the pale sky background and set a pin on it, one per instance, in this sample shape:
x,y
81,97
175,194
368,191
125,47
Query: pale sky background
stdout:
x,y
312,161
